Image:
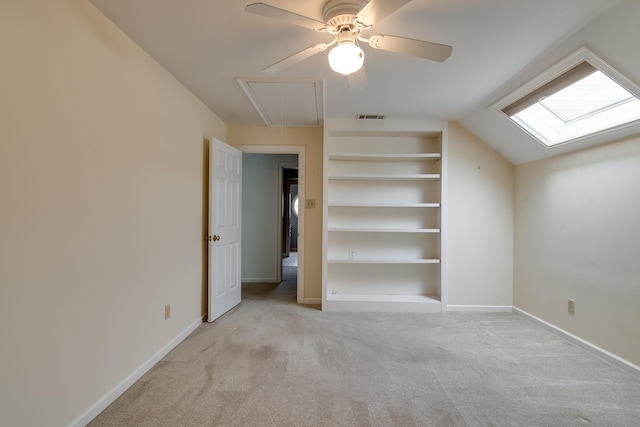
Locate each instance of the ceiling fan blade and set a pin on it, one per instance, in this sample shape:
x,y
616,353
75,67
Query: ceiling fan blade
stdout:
x,y
358,80
421,49
377,10
296,57
272,12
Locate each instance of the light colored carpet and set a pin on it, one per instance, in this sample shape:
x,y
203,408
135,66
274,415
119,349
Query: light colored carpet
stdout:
x,y
291,260
271,362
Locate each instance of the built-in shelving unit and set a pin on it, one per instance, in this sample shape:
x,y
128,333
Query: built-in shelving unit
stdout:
x,y
387,205
384,177
383,219
385,230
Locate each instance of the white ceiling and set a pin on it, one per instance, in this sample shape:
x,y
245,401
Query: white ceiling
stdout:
x,y
208,44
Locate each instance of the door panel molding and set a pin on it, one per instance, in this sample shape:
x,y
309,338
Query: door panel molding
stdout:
x,y
224,234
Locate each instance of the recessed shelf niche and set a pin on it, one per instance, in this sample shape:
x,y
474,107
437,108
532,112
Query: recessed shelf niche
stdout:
x,y
383,220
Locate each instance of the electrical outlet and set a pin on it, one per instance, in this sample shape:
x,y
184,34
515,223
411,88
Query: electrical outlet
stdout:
x,y
310,203
167,311
571,306
352,254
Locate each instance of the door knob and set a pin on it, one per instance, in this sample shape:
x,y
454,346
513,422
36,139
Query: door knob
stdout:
x,y
216,238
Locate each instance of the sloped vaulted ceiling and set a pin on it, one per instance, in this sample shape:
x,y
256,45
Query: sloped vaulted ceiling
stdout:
x,y
208,44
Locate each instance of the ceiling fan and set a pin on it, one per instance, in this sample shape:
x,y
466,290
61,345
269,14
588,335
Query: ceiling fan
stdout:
x,y
347,21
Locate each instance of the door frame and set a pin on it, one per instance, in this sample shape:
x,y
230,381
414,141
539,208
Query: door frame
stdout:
x,y
300,151
282,187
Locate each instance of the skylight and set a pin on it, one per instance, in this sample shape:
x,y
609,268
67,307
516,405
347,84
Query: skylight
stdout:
x,y
591,95
579,102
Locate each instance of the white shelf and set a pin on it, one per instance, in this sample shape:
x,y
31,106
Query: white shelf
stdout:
x,y
383,230
384,261
383,157
386,177
383,205
384,303
382,298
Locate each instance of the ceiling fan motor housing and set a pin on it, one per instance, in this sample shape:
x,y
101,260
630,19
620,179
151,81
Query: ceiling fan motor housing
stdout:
x,y
341,14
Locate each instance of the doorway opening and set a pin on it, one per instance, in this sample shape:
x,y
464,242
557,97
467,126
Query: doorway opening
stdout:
x,y
272,252
290,229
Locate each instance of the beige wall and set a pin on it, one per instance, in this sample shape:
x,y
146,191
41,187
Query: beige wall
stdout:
x,y
578,236
311,139
101,216
480,196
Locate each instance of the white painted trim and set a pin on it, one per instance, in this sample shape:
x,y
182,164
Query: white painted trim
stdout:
x,y
382,306
443,213
245,84
581,55
405,126
260,280
600,352
480,308
118,390
280,214
312,301
300,151
325,215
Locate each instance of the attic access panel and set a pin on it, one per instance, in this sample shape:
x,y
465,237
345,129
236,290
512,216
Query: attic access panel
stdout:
x,y
285,102
579,98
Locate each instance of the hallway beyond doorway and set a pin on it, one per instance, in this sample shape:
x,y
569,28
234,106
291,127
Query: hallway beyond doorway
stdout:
x,y
291,260
290,271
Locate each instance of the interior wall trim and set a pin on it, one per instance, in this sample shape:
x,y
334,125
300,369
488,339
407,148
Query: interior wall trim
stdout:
x,y
118,390
312,301
597,351
480,308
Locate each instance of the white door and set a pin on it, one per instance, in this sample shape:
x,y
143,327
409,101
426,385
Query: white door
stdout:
x,y
225,186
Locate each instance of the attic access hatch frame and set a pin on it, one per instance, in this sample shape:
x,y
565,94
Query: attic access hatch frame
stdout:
x,y
285,101
581,98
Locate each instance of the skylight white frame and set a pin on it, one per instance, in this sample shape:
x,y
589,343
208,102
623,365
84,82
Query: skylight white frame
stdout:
x,y
581,55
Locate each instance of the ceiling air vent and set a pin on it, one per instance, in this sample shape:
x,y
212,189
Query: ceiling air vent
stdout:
x,y
370,117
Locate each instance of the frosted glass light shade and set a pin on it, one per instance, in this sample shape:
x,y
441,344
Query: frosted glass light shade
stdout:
x,y
346,58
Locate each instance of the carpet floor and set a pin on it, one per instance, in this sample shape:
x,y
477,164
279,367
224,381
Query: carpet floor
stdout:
x,y
272,362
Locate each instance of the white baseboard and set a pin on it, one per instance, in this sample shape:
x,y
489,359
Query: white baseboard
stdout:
x,y
600,352
481,308
312,301
381,303
111,396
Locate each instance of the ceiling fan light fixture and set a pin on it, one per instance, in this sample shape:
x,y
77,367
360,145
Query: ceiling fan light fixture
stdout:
x,y
346,58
